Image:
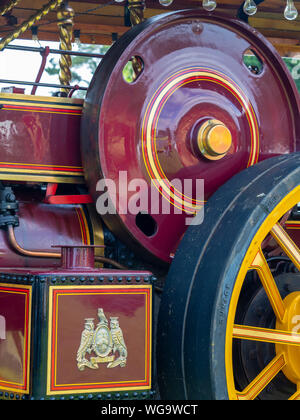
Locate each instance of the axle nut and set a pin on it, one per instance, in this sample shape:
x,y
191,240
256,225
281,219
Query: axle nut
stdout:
x,y
214,140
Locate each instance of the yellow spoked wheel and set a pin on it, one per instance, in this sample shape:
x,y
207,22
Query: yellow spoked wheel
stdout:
x,y
233,293
286,310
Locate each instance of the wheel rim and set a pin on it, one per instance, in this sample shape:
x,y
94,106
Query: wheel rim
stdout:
x,y
283,308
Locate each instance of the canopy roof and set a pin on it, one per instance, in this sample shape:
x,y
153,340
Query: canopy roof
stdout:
x,y
98,20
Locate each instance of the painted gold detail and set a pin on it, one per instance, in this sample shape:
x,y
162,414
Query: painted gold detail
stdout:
x,y
260,264
24,176
106,343
151,118
214,140
292,225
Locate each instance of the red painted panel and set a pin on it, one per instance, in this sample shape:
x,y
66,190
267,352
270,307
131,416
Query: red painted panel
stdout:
x,y
15,314
73,364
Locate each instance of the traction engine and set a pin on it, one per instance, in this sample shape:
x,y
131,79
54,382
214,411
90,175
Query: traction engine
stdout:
x,y
150,232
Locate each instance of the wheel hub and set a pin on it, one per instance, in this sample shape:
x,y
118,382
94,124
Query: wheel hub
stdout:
x,y
214,140
291,324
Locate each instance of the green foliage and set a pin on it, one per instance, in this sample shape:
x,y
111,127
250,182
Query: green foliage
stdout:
x,y
128,73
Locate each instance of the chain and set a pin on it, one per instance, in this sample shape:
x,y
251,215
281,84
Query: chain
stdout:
x,y
51,5
8,7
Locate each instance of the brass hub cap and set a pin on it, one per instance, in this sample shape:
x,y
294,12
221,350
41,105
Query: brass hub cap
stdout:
x,y
214,140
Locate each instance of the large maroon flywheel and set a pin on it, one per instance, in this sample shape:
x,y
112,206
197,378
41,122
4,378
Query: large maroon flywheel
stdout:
x,y
194,110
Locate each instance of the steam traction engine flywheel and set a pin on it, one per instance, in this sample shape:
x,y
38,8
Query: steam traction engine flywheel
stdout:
x,y
193,110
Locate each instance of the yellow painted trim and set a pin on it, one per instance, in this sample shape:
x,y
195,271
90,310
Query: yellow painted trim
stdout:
x,y
44,111
292,225
42,178
259,383
266,335
147,131
79,211
49,99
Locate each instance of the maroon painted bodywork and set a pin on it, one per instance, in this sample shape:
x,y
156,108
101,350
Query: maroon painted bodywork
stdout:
x,y
67,297
41,227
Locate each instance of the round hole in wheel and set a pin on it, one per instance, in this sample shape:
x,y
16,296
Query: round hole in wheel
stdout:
x,y
253,62
146,223
133,69
233,292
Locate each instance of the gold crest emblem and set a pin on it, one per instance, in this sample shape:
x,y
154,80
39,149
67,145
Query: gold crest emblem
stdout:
x,y
106,342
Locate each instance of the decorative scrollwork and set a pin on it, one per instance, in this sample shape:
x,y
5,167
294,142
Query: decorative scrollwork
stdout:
x,y
106,341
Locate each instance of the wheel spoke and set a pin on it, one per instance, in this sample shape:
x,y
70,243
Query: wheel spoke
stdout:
x,y
263,379
260,264
287,244
245,332
296,396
